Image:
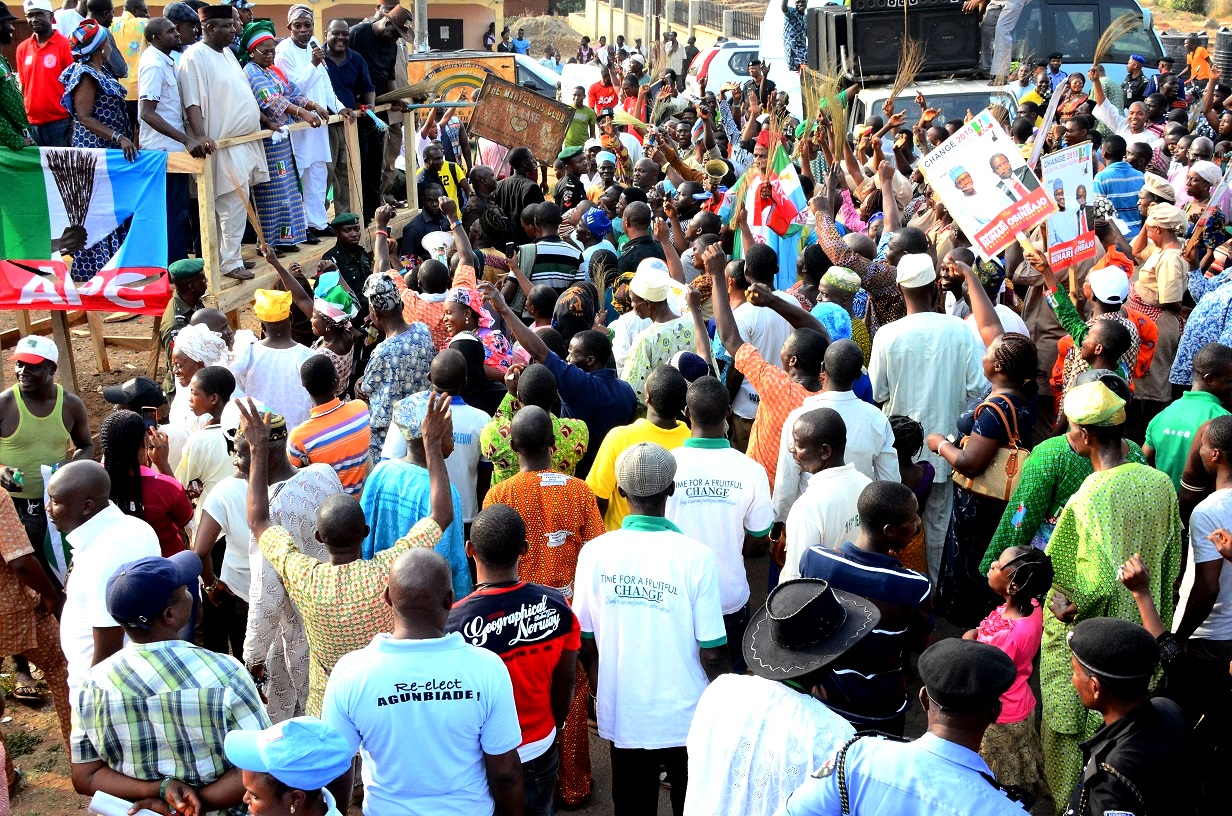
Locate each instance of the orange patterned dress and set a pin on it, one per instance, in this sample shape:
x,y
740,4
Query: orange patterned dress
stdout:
x,y
561,515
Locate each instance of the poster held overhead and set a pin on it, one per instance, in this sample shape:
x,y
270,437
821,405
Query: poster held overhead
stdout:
x,y
982,179
1070,182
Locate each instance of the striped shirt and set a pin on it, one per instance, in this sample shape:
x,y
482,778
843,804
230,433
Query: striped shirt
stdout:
x,y
160,710
1120,183
557,265
336,434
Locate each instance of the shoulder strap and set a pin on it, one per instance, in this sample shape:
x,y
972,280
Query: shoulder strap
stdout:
x,y
1010,422
840,765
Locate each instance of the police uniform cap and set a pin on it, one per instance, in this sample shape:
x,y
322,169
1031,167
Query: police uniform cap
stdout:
x,y
1114,649
965,676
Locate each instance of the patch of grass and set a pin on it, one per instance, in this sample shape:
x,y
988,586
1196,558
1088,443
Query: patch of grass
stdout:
x,y
47,763
6,684
21,743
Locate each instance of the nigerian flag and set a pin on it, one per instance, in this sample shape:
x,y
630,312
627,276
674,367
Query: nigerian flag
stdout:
x,y
67,199
772,220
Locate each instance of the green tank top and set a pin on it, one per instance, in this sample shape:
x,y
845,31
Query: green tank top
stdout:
x,y
36,441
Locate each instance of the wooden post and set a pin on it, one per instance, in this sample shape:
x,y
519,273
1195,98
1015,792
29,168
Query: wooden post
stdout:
x,y
350,136
95,322
64,342
209,229
410,121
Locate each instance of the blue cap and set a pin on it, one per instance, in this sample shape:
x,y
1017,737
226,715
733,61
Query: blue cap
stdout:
x,y
1138,58
239,4
140,590
597,222
957,171
302,753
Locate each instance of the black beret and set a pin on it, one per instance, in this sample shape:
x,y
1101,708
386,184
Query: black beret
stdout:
x,y
1114,649
965,676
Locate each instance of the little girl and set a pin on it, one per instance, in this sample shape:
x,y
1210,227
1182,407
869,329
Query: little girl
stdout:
x,y
1011,747
908,442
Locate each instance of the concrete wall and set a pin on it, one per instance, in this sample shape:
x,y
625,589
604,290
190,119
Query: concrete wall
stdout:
x,y
600,19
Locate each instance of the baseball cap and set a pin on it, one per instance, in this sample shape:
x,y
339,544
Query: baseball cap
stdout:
x,y
37,5
139,591
1109,284
915,270
139,392
645,469
597,222
302,753
34,349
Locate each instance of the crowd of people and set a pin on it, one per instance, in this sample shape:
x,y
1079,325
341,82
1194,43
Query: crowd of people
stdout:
x,y
451,501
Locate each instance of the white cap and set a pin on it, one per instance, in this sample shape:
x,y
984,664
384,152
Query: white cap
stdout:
x,y
37,5
651,281
1109,284
34,349
592,143
914,271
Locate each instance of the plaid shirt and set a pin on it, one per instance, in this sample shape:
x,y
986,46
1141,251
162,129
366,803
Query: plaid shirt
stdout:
x,y
161,710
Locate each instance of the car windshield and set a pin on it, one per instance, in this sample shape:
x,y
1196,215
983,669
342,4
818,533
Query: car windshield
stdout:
x,y
1073,28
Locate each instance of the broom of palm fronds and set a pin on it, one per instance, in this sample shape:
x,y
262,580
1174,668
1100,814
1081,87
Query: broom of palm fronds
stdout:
x,y
836,108
252,214
73,171
623,118
417,91
1117,29
910,62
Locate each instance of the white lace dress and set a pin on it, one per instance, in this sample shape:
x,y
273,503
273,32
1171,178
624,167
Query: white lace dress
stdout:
x,y
753,741
275,632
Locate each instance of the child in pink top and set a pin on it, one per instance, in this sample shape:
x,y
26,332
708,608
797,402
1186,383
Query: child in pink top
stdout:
x,y
1011,747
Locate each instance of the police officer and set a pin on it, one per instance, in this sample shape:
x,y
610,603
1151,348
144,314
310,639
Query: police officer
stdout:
x,y
1137,762
939,773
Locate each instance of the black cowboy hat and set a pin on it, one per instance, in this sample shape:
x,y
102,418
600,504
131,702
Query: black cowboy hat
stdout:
x,y
804,625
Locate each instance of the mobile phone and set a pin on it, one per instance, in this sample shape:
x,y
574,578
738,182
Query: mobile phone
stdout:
x,y
150,417
510,248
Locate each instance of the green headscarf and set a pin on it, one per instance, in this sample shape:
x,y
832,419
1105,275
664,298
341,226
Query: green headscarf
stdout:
x,y
253,35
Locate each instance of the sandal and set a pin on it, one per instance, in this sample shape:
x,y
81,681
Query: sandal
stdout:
x,y
26,690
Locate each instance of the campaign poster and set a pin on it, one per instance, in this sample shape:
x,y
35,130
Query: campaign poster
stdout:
x,y
984,182
1069,181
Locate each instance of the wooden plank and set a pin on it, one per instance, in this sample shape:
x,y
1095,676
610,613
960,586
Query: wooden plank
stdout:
x,y
95,320
209,230
156,350
9,337
182,162
350,135
238,294
125,341
67,366
24,326
512,115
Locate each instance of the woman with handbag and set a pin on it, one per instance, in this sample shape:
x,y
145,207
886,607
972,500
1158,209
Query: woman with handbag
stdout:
x,y
987,464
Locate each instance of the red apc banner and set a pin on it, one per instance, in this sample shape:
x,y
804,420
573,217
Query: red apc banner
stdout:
x,y
1069,253
31,285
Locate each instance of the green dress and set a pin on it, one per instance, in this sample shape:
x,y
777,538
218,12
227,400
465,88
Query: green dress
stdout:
x,y
1116,513
13,123
1052,474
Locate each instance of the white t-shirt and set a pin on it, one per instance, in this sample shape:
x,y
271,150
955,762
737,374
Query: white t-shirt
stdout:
x,y
767,331
271,376
649,596
753,742
927,366
1011,323
423,713
100,547
825,515
463,463
227,504
1212,513
720,495
870,446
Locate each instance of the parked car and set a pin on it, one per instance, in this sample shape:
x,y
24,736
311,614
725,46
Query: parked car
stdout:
x,y
1073,28
952,97
729,62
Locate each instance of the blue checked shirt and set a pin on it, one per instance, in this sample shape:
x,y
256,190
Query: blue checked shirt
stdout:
x,y
1120,183
161,710
1207,323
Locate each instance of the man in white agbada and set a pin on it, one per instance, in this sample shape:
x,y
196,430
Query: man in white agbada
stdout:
x,y
754,740
219,104
302,61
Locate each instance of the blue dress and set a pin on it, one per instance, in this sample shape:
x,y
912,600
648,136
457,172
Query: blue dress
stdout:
x,y
280,206
108,109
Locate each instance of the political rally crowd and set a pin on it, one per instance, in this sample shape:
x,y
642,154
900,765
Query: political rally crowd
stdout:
x,y
453,503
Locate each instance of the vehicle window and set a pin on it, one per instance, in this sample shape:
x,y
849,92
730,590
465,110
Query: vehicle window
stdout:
x,y
739,61
1075,32
1139,42
529,79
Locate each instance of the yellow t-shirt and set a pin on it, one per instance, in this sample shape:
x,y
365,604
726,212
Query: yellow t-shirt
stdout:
x,y
129,34
602,476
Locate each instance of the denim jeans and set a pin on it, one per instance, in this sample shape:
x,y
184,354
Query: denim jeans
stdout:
x,y
53,134
539,782
735,624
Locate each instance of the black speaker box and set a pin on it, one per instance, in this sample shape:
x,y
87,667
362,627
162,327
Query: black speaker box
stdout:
x,y
872,39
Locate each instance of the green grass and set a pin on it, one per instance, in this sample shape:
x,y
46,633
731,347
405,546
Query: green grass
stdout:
x,y
21,743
